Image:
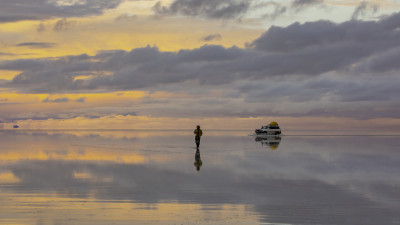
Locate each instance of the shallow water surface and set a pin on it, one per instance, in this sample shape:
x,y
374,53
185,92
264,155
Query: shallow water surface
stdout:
x,y
158,177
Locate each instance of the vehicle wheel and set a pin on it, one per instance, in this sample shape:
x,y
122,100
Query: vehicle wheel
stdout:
x,y
276,133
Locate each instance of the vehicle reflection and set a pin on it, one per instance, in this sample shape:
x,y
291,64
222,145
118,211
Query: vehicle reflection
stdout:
x,y
197,160
271,141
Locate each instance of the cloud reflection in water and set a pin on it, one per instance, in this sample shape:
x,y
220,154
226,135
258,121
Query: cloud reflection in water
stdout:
x,y
308,180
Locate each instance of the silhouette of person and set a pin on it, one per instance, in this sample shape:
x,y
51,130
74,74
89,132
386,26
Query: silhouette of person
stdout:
x,y
197,160
198,132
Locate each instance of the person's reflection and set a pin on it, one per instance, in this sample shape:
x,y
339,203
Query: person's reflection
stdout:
x,y
197,160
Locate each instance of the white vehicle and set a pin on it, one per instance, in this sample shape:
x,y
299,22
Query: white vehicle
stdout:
x,y
271,129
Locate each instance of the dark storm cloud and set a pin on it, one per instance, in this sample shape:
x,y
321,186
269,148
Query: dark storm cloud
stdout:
x,y
37,44
222,9
17,10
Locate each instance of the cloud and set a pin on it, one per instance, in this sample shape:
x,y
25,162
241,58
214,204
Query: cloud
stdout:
x,y
37,44
72,114
59,26
125,17
63,25
298,4
17,10
6,54
318,168
24,64
212,37
41,27
70,109
129,114
222,9
229,9
83,99
363,9
372,36
57,100
277,9
303,69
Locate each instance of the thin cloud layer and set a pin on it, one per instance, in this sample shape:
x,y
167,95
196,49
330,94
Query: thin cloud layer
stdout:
x,y
277,9
37,44
363,9
65,114
222,9
230,9
212,37
301,3
57,100
17,10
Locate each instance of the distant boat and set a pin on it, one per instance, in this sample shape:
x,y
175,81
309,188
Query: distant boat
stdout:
x,y
15,126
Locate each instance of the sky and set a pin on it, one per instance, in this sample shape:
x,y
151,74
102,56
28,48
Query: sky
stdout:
x,y
226,64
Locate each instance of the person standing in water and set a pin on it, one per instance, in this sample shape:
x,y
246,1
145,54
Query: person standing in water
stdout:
x,y
198,132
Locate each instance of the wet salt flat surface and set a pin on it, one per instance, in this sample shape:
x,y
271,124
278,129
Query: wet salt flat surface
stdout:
x,y
153,177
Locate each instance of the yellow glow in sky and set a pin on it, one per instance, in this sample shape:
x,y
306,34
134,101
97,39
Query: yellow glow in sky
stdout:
x,y
7,178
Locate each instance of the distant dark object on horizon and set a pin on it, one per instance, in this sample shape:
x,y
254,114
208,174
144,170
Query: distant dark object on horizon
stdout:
x,y
15,126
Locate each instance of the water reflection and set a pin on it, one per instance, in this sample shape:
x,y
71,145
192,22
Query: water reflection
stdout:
x,y
271,141
136,178
197,160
